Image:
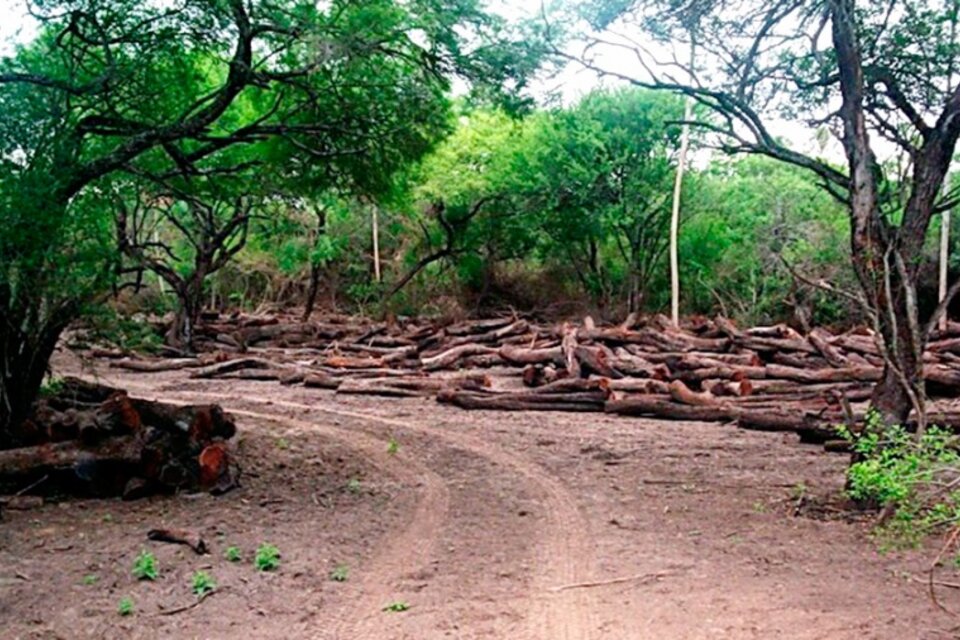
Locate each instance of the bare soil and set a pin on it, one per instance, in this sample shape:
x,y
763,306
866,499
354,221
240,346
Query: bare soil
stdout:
x,y
540,526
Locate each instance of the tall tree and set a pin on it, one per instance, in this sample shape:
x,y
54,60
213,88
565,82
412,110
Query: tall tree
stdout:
x,y
114,86
880,74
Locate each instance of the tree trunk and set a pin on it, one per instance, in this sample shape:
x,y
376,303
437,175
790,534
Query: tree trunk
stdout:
x,y
25,361
190,297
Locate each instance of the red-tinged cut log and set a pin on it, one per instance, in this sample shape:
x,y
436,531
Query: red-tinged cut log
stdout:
x,y
684,395
152,366
725,326
659,407
595,360
320,380
951,345
229,366
821,339
519,355
415,386
864,345
800,360
631,365
215,472
570,385
736,374
200,423
482,361
122,450
535,375
845,374
748,359
640,385
493,336
726,388
779,331
191,539
766,420
568,346
447,359
477,326
517,402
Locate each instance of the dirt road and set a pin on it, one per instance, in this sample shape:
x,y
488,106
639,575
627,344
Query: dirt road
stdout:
x,y
536,526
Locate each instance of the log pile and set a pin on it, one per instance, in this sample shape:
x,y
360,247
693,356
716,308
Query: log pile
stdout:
x,y
766,378
93,440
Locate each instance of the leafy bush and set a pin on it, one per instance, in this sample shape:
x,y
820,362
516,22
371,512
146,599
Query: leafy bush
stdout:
x,y
267,558
203,583
914,480
145,566
125,606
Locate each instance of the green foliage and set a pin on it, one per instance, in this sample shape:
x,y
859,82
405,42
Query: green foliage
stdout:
x,y
393,446
267,558
202,583
354,486
340,573
51,387
145,566
125,606
233,554
397,607
912,477
90,579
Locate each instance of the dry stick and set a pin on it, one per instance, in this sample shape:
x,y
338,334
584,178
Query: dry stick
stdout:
x,y
951,540
642,577
187,607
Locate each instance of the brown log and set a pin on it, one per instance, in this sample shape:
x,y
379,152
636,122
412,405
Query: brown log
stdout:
x,y
156,365
660,407
410,387
447,359
684,395
520,355
191,539
844,374
518,402
220,368
568,346
320,380
820,339
67,455
595,360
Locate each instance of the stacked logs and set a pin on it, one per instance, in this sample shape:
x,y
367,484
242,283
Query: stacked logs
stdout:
x,y
89,439
768,378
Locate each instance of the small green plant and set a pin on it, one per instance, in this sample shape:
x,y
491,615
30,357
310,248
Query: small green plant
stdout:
x,y
203,583
267,558
90,579
799,491
759,507
145,566
340,573
107,518
233,554
396,607
282,443
393,446
354,486
51,387
125,606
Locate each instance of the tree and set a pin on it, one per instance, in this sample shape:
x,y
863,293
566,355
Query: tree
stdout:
x,y
91,99
879,74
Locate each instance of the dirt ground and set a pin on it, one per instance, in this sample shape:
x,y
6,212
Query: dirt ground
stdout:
x,y
534,526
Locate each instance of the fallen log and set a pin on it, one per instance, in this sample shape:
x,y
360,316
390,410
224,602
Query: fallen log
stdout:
x,y
517,402
660,407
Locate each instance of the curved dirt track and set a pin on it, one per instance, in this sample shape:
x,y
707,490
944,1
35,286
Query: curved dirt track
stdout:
x,y
558,608
521,526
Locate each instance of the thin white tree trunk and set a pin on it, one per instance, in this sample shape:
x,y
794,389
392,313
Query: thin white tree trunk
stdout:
x,y
376,246
675,215
944,254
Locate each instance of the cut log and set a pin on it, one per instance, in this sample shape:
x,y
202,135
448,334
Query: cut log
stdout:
x,y
517,402
682,394
660,407
447,359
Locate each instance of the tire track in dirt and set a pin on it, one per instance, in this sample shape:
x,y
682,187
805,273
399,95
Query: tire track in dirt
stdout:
x,y
563,552
408,550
